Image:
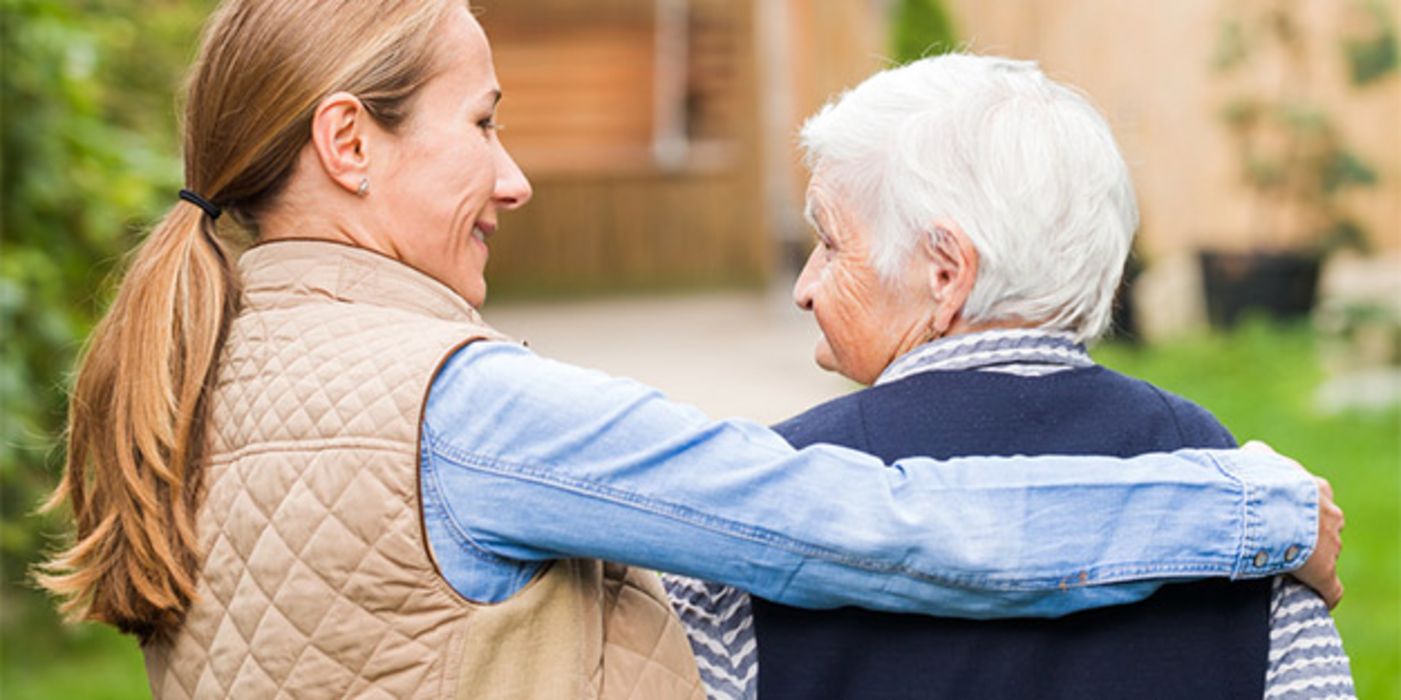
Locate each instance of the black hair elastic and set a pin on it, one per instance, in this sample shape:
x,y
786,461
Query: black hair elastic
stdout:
x,y
209,207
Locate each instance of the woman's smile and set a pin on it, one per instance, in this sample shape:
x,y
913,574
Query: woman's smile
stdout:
x,y
481,231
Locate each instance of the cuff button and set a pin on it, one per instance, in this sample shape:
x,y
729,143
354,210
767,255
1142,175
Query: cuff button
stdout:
x,y
1292,553
1261,559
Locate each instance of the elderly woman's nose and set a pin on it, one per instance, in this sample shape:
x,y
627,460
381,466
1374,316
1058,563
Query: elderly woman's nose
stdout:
x,y
806,285
802,298
512,187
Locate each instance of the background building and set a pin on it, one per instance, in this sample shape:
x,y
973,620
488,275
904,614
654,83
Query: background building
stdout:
x,y
660,134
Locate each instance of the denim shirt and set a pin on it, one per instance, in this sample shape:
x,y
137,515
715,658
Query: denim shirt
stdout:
x,y
525,460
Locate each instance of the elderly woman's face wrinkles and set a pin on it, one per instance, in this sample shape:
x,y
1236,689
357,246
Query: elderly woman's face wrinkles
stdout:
x,y
866,322
446,175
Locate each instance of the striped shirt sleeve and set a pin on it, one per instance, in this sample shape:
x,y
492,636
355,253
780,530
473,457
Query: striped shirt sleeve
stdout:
x,y
720,626
1307,661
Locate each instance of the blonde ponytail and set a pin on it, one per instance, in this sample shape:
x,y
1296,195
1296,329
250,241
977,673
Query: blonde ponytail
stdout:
x,y
139,409
135,425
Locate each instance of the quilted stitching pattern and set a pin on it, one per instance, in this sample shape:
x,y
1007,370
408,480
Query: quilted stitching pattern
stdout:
x,y
314,575
315,581
638,651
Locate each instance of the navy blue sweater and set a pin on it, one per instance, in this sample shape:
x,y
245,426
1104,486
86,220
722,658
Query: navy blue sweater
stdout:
x,y
1199,640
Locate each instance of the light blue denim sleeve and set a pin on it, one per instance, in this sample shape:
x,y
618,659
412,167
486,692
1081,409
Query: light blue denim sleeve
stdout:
x,y
535,460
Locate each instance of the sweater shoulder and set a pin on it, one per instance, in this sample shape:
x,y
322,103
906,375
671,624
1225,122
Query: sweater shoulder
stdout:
x,y
836,422
1196,426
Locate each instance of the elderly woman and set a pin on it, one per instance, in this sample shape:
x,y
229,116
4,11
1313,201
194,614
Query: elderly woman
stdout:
x,y
320,473
972,219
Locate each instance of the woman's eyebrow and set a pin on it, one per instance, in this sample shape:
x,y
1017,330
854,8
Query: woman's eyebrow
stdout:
x,y
489,99
810,216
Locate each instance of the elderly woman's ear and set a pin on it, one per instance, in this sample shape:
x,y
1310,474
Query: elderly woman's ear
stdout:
x,y
952,265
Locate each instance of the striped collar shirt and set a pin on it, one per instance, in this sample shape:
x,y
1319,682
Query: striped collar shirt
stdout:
x,y
1023,351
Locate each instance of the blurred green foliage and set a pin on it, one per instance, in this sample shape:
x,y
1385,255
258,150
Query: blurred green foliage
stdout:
x,y
1373,56
921,28
1292,156
89,153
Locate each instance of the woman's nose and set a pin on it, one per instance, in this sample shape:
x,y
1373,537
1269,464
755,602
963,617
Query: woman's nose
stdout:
x,y
806,285
512,188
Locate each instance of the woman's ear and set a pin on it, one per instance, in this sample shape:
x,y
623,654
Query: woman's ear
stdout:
x,y
952,269
340,133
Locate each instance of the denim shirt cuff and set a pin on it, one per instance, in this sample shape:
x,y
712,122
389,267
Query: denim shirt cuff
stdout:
x,y
1280,513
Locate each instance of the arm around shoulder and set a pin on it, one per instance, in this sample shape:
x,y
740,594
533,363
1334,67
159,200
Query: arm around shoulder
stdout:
x,y
543,460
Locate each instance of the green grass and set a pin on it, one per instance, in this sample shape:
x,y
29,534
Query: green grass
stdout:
x,y
89,663
1259,381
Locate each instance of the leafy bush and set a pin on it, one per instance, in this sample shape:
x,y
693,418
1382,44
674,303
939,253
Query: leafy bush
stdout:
x,y
89,153
1293,157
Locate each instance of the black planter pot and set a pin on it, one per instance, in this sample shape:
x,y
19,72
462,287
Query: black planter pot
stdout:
x,y
1280,285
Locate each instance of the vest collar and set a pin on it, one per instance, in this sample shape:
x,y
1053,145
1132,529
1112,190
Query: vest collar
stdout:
x,y
347,273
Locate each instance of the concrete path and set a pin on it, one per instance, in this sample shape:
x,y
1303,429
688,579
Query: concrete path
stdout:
x,y
731,354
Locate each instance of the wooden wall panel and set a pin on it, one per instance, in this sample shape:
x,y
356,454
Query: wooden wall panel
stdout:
x,y
579,119
630,233
579,99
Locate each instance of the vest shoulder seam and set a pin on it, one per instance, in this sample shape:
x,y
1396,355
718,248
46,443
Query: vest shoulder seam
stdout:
x,y
312,445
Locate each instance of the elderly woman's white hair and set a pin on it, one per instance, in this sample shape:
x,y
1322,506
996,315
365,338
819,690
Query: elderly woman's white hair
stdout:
x,y
1025,166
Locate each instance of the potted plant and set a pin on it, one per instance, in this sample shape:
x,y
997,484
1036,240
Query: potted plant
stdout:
x,y
1293,159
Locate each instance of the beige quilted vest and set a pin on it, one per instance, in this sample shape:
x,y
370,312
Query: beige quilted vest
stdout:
x,y
317,581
